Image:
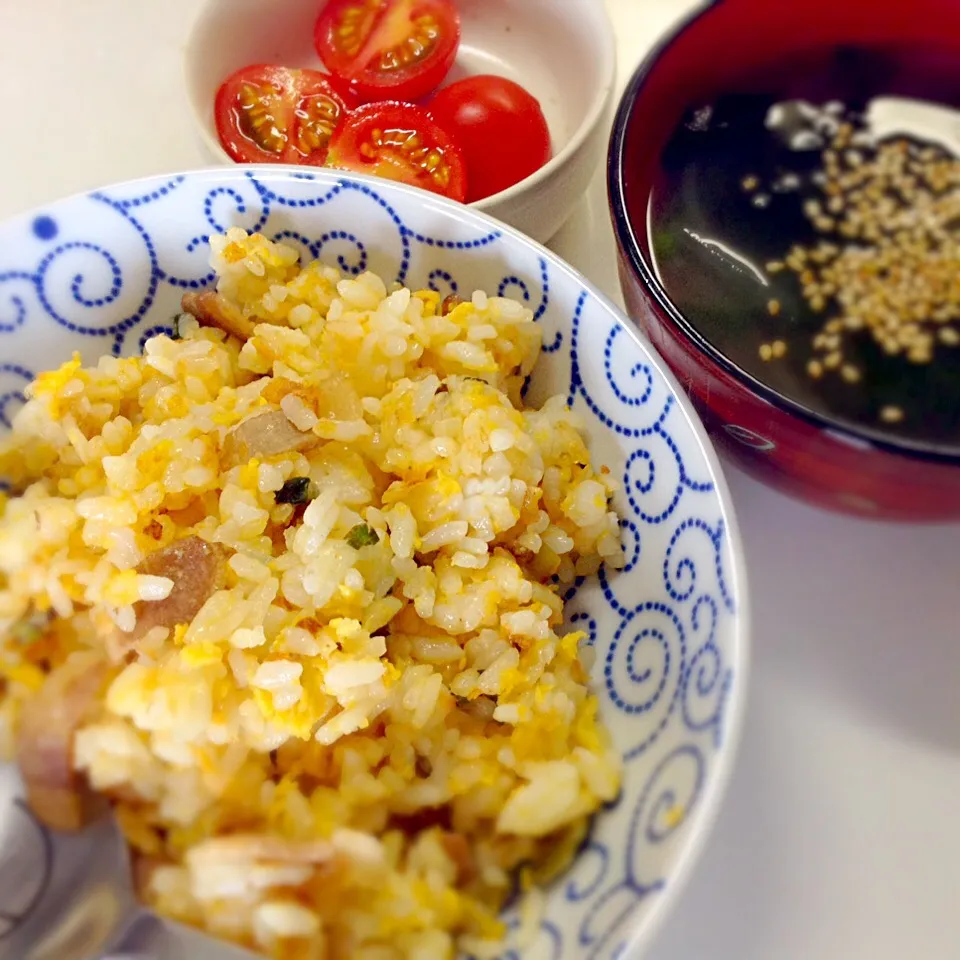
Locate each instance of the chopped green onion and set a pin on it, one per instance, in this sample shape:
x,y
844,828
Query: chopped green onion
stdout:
x,y
28,630
296,490
362,536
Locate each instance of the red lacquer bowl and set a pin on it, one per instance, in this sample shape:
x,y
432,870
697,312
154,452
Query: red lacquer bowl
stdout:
x,y
775,438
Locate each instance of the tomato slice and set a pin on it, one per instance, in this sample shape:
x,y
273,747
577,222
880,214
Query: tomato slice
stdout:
x,y
268,114
400,141
484,110
389,49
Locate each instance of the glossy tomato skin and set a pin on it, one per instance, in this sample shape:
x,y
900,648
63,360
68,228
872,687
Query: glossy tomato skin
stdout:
x,y
501,128
388,49
400,141
270,114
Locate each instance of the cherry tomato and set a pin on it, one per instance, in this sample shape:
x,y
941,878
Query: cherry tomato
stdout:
x,y
500,127
399,141
389,49
268,114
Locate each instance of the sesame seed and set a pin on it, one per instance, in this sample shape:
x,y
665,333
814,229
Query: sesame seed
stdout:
x,y
773,308
766,352
779,349
887,263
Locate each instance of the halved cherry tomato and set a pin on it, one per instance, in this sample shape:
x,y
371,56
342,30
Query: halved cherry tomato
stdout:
x,y
389,49
268,114
500,127
399,141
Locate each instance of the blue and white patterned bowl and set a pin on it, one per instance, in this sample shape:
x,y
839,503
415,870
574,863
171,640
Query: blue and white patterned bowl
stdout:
x,y
105,271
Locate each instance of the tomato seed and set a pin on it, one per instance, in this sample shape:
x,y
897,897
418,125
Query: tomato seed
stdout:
x,y
414,48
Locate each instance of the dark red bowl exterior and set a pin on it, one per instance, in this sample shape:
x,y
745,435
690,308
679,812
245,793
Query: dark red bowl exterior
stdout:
x,y
772,437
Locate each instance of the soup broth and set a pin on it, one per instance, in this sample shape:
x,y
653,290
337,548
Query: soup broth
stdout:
x,y
807,224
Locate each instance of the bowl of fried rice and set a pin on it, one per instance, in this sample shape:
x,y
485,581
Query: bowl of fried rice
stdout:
x,y
366,562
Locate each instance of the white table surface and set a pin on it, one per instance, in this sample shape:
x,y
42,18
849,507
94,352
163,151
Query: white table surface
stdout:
x,y
840,835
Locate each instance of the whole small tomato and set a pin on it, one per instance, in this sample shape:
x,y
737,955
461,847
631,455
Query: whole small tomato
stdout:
x,y
500,128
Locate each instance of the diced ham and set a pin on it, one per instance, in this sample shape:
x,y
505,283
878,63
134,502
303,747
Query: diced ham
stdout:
x,y
334,398
214,310
337,399
457,848
264,435
57,795
197,568
482,708
450,304
523,555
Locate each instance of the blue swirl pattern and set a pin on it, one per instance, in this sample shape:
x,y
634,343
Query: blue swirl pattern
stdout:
x,y
104,272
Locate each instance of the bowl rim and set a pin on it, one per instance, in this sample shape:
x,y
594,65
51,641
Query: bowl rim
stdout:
x,y
605,47
607,50
629,243
727,751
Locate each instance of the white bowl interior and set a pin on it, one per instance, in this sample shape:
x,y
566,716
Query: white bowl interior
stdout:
x,y
535,43
556,49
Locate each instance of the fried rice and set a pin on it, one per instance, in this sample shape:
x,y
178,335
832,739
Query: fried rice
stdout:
x,y
287,590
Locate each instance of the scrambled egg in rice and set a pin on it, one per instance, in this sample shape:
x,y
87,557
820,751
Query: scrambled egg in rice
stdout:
x,y
285,590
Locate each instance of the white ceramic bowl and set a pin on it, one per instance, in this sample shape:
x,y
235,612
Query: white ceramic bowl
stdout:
x,y
104,271
562,51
